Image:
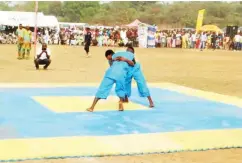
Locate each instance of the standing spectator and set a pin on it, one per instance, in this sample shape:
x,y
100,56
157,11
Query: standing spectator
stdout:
x,y
72,39
178,40
20,35
189,42
169,41
227,42
193,40
209,41
237,41
105,39
203,41
241,41
163,40
213,40
88,39
123,34
184,41
100,40
157,39
173,44
62,37
27,42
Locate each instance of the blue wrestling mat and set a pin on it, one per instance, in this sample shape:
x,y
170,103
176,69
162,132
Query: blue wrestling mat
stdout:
x,y
55,112
173,112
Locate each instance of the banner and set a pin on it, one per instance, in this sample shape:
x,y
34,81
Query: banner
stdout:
x,y
151,37
142,35
200,19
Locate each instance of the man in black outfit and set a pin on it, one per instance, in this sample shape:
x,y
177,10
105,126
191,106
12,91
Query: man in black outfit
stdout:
x,y
213,40
87,41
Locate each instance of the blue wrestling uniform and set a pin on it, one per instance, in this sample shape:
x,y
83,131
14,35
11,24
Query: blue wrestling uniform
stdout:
x,y
116,73
138,76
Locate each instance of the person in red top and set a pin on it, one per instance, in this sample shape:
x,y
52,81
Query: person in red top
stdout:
x,y
128,34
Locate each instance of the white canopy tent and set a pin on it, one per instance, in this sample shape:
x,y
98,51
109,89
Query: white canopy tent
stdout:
x,y
72,25
48,21
14,18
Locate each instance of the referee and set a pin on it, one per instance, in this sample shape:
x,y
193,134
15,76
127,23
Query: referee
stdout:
x,y
87,41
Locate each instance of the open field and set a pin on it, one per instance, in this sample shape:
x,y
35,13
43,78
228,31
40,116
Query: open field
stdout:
x,y
218,71
214,71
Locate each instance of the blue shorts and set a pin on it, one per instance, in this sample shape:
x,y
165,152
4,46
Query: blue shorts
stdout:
x,y
138,76
106,86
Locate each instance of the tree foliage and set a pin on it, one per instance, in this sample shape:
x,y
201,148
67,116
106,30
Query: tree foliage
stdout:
x,y
176,14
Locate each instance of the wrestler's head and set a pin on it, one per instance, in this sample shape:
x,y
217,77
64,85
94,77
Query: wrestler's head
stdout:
x,y
130,49
108,54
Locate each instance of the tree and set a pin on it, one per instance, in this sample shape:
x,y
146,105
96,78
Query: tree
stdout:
x,y
5,6
176,14
77,11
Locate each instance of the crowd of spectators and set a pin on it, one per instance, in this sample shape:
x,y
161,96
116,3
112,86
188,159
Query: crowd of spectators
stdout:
x,y
177,38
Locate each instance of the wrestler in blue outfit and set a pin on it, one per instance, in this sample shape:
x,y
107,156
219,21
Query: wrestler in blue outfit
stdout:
x,y
116,73
136,73
138,76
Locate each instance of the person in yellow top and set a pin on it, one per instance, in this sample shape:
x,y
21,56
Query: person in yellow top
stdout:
x,y
184,41
20,36
27,43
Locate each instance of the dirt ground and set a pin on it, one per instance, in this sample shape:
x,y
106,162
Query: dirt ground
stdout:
x,y
215,71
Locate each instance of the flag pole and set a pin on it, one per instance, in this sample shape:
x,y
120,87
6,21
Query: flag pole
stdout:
x,y
35,27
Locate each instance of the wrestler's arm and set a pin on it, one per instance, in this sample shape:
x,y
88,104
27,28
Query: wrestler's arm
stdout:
x,y
131,63
110,63
134,61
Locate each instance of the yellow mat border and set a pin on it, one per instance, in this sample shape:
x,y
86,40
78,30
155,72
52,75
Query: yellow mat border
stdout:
x,y
96,146
231,100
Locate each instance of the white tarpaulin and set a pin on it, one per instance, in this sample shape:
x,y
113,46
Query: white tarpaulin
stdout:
x,y
142,35
48,21
14,18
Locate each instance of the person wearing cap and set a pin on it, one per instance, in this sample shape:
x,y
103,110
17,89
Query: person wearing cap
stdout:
x,y
27,43
42,57
20,35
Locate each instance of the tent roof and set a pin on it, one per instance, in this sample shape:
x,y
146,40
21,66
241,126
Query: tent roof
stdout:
x,y
134,23
48,21
211,28
14,18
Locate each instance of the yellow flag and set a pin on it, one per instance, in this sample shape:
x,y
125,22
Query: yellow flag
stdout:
x,y
200,19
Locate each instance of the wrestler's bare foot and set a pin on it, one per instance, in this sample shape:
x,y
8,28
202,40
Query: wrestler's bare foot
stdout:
x,y
151,102
151,105
121,107
90,109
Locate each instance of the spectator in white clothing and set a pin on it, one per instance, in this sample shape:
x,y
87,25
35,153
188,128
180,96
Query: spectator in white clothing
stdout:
x,y
237,41
203,40
193,40
42,57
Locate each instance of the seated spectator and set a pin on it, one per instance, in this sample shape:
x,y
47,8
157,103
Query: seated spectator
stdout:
x,y
42,57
